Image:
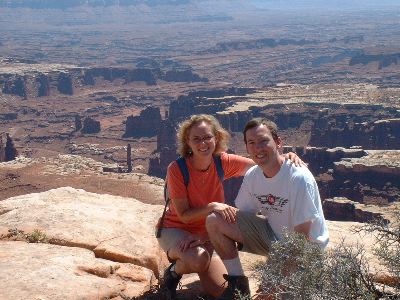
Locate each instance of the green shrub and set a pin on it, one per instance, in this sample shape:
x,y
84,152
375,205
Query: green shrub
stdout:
x,y
36,236
298,269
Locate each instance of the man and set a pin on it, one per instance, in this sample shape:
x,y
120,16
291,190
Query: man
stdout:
x,y
286,195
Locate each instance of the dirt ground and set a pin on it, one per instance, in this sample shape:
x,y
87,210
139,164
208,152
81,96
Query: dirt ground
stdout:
x,y
36,177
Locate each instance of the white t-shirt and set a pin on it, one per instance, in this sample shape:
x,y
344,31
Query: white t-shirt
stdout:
x,y
288,199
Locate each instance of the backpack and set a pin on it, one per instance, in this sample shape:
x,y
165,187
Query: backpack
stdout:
x,y
185,173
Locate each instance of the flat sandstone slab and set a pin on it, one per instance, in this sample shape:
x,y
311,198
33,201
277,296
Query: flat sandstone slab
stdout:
x,y
115,228
44,271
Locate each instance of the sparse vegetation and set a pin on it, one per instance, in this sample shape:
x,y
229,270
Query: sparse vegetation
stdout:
x,y
14,234
298,269
36,236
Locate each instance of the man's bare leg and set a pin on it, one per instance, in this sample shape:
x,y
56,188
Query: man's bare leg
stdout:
x,y
223,236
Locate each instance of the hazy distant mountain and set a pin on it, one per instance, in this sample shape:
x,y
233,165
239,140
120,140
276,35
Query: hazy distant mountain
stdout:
x,y
331,4
266,4
61,4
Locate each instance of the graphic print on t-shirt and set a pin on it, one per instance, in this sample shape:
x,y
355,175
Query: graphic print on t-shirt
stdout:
x,y
272,203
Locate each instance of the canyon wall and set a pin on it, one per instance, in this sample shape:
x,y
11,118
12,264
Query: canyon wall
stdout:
x,y
330,124
342,209
384,60
373,134
200,103
64,80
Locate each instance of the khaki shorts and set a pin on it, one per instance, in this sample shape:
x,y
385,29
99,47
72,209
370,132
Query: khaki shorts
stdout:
x,y
257,233
170,237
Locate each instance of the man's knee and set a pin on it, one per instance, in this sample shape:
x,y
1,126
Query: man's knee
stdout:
x,y
212,222
201,262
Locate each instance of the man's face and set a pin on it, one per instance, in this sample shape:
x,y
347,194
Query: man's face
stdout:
x,y
262,147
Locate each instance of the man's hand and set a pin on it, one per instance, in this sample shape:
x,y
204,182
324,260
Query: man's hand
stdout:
x,y
225,211
191,241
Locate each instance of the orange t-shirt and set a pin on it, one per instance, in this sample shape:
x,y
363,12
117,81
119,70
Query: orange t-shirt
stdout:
x,y
204,187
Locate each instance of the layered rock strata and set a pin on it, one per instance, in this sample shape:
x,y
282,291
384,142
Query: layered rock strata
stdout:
x,y
206,102
343,209
33,80
365,176
329,124
378,134
371,179
257,44
384,60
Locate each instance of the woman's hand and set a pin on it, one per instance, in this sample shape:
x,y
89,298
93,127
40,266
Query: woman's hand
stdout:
x,y
190,241
294,158
226,211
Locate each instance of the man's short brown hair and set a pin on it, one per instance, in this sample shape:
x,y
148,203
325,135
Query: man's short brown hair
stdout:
x,y
273,128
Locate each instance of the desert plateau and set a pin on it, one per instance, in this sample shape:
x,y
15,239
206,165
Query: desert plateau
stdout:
x,y
91,96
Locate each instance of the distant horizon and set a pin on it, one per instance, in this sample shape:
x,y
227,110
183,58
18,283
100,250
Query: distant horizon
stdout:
x,y
263,4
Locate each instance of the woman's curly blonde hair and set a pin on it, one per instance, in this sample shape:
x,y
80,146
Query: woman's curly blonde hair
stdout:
x,y
222,136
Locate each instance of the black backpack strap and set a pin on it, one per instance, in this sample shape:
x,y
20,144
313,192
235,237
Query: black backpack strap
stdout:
x,y
185,173
218,165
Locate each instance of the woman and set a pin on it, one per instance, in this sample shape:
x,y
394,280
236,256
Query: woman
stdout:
x,y
183,235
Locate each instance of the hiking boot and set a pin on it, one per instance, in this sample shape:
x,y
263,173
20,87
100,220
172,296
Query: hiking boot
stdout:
x,y
170,282
237,285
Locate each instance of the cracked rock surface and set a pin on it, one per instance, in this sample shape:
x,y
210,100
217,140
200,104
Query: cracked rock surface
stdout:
x,y
96,246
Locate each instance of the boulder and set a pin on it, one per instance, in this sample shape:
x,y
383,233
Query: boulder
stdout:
x,y
44,271
114,228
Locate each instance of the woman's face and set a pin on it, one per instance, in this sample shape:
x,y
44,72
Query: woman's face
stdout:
x,y
201,139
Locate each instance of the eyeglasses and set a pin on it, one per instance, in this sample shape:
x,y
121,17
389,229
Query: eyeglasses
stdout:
x,y
206,139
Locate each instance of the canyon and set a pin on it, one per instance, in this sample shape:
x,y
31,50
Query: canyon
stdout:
x,y
92,93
